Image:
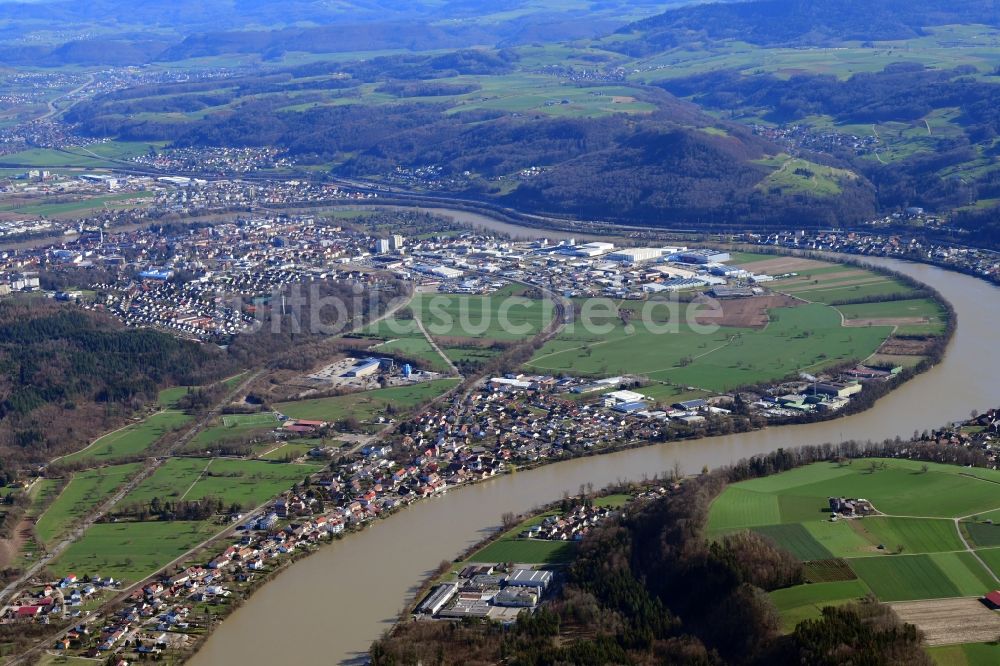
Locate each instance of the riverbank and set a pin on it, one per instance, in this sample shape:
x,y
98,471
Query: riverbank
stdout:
x,y
664,542
540,469
429,527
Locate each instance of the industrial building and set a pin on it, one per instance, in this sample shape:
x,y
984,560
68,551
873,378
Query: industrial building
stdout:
x,y
594,249
701,257
530,578
635,255
364,368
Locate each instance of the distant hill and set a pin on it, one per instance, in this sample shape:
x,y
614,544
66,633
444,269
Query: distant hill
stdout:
x,y
799,22
55,33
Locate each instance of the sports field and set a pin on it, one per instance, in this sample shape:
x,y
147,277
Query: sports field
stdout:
x,y
912,551
85,491
132,440
366,405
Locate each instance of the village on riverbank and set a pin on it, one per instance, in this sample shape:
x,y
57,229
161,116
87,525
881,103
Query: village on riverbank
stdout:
x,y
439,392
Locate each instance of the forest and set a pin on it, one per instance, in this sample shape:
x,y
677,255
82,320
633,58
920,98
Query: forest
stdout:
x,y
69,374
902,92
798,22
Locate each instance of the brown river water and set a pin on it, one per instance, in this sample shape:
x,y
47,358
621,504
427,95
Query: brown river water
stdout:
x,y
327,608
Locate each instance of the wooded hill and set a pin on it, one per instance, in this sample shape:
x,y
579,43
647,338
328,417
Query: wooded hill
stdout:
x,y
68,375
799,22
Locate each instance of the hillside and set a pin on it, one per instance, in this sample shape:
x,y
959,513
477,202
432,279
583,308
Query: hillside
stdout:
x,y
70,374
799,22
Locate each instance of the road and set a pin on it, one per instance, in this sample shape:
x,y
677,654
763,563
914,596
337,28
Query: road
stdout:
x,y
53,110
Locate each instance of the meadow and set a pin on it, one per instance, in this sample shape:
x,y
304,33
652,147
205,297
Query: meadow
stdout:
x,y
232,426
366,405
512,548
968,654
912,552
85,491
795,175
245,482
923,308
131,440
805,338
131,551
494,317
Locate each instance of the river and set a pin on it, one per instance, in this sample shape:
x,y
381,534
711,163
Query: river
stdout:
x,y
328,608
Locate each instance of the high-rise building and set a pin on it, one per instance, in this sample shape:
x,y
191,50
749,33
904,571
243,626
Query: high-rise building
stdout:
x,y
382,245
396,242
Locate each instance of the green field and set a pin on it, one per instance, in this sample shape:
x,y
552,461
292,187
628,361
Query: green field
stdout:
x,y
809,338
131,551
132,440
834,294
496,317
60,208
805,602
901,489
926,308
246,482
915,535
367,405
293,449
909,577
232,426
797,540
791,509
992,558
416,348
984,535
85,491
511,548
794,175
967,654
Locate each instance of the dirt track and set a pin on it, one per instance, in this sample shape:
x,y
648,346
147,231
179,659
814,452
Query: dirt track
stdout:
x,y
951,621
885,321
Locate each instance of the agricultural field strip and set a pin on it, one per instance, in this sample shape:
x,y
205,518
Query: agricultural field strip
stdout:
x,y
962,572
